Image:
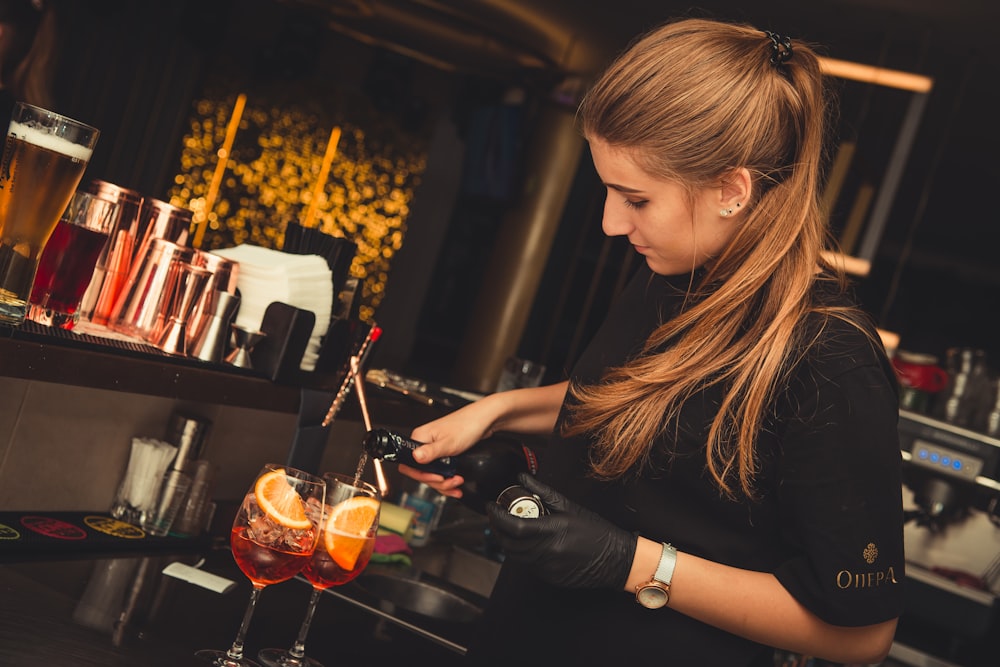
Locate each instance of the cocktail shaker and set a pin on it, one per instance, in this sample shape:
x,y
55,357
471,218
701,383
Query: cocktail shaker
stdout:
x,y
144,298
160,220
115,261
185,283
188,433
224,275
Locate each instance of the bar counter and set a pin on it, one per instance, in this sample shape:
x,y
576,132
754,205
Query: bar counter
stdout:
x,y
125,612
104,604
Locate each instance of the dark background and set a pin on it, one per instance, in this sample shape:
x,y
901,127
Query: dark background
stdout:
x,y
133,69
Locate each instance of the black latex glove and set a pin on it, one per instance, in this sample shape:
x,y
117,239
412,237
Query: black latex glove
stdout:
x,y
570,546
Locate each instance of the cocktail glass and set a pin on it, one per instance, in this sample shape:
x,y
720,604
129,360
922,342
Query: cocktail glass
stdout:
x,y
347,540
273,538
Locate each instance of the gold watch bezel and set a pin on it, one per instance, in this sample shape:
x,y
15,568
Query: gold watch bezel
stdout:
x,y
660,599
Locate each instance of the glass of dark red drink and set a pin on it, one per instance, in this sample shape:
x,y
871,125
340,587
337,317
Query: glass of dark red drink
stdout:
x,y
67,263
273,538
346,542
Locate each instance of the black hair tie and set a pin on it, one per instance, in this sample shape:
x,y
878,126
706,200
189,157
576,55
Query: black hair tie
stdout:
x,y
781,48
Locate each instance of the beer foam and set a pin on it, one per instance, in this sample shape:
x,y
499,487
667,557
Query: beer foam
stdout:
x,y
50,142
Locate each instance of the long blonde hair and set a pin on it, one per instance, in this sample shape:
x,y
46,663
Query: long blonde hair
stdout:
x,y
691,101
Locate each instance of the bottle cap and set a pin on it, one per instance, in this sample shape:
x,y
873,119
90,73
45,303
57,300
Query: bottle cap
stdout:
x,y
520,502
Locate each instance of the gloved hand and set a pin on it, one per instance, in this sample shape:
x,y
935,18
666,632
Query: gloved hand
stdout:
x,y
570,546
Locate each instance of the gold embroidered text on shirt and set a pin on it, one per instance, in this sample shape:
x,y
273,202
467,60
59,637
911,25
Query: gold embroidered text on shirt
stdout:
x,y
848,579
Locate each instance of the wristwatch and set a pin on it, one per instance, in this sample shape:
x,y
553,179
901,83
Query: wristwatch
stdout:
x,y
655,593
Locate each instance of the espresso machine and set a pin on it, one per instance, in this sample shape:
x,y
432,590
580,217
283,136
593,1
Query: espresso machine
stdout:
x,y
949,469
952,531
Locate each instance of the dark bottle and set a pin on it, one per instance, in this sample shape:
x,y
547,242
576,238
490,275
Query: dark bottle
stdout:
x,y
488,467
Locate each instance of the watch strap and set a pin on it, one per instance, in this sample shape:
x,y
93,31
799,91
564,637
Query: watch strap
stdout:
x,y
665,569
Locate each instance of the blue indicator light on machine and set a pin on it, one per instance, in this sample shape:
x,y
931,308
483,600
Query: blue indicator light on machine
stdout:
x,y
946,460
956,464
922,454
935,457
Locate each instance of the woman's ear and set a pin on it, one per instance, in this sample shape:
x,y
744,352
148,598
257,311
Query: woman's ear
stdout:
x,y
735,191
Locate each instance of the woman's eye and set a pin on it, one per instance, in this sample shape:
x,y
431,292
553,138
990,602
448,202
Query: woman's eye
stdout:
x,y
635,204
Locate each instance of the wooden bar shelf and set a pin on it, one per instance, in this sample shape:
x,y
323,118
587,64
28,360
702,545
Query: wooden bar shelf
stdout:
x,y
33,352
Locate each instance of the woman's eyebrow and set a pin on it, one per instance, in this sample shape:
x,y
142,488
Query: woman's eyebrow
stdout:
x,y
622,189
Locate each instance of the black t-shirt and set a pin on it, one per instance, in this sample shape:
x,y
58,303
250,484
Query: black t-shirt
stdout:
x,y
827,522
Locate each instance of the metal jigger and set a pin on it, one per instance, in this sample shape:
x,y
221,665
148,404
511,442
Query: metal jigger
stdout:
x,y
244,341
188,281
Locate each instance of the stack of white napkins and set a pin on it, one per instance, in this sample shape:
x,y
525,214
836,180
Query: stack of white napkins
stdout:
x,y
267,276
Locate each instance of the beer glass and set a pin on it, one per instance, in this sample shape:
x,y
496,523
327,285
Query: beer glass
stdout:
x,y
43,162
68,260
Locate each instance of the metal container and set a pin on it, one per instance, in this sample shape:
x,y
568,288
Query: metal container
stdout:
x,y
184,287
223,278
211,338
143,302
188,433
115,260
160,220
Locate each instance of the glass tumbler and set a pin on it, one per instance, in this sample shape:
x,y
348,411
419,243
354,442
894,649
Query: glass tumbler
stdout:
x,y
67,264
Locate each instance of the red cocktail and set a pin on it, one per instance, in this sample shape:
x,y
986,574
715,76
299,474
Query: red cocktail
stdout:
x,y
264,564
323,571
346,542
273,537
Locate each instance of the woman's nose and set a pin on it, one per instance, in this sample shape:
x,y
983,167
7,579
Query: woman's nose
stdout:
x,y
614,225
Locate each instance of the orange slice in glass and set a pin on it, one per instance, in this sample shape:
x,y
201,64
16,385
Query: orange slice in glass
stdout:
x,y
348,527
280,501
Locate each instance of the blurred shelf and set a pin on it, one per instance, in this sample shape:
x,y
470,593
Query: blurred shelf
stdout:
x,y
34,352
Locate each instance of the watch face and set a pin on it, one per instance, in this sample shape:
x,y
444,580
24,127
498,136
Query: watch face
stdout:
x,y
651,597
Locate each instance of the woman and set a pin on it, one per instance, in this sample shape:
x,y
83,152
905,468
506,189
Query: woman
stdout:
x,y
725,451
